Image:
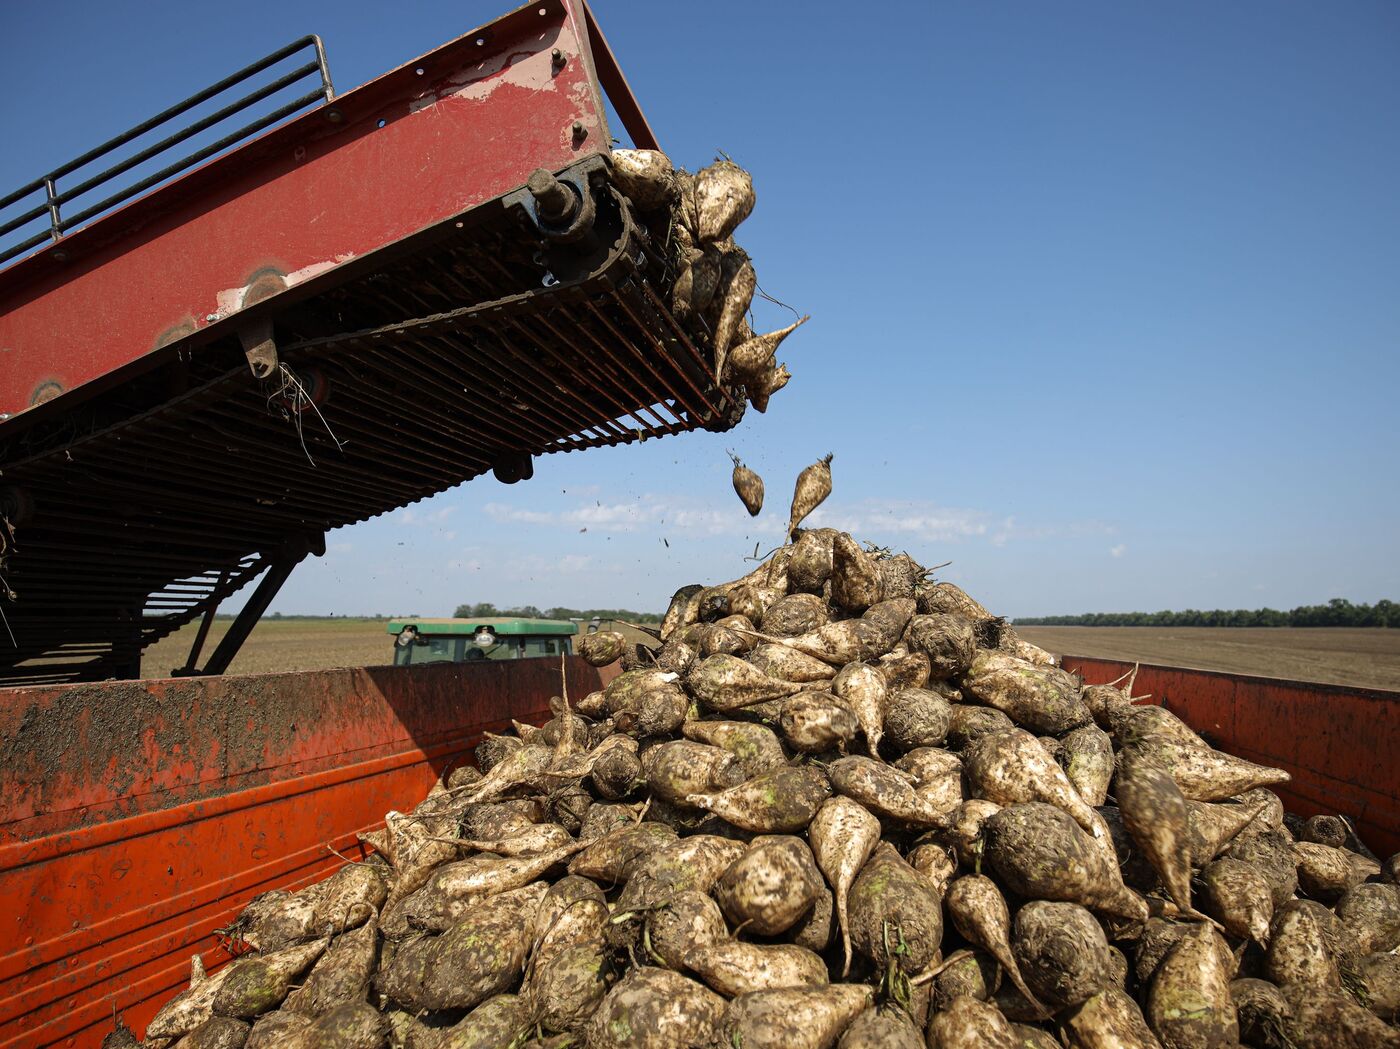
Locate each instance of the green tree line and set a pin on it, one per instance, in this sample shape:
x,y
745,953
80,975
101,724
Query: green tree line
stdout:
x,y
484,610
1337,612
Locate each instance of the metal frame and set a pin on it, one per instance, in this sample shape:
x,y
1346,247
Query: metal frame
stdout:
x,y
310,199
145,523
614,82
292,553
54,199
375,246
126,369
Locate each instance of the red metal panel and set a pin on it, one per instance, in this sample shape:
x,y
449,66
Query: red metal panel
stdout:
x,y
459,126
145,815
1342,745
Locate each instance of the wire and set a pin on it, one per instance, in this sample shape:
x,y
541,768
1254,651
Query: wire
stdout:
x,y
300,400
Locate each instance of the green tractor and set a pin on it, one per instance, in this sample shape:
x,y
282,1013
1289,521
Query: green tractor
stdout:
x,y
419,641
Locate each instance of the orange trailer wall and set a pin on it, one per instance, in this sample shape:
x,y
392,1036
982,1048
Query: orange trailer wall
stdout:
x,y
141,816
1342,745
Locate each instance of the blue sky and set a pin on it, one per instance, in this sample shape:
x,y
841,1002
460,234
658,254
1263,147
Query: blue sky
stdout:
x,y
1105,298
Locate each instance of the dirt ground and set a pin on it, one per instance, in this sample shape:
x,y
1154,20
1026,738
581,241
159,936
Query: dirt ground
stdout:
x,y
283,644
297,644
1367,658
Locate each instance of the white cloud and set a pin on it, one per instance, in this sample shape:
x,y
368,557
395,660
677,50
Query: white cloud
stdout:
x,y
409,516
569,564
533,566
677,514
624,516
681,514
1118,551
909,518
503,513
879,520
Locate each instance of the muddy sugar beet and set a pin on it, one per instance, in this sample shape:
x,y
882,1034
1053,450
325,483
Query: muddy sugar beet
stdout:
x,y
693,219
838,804
748,486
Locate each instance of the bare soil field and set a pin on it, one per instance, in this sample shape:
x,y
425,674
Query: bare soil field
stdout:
x,y
1366,658
278,645
282,644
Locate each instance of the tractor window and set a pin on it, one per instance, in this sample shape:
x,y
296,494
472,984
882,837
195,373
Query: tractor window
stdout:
x,y
505,648
437,650
440,650
461,649
545,646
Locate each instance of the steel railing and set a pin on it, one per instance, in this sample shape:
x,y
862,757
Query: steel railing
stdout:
x,y
59,224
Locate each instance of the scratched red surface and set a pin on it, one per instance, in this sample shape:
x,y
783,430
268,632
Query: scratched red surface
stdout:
x,y
303,199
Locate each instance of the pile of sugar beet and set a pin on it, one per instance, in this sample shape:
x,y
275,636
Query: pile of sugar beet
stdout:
x,y
837,804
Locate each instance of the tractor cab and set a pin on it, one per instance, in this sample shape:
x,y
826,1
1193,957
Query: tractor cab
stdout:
x,y
419,641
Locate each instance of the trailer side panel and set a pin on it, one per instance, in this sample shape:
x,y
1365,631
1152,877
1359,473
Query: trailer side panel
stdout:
x,y
1340,744
140,817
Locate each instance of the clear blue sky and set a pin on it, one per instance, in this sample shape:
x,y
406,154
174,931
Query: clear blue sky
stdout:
x,y
1130,342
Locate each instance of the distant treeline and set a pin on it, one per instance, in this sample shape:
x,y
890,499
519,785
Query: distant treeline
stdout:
x,y
1337,612
484,609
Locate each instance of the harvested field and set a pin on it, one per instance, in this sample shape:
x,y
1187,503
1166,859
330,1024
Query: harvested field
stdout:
x,y
278,645
282,644
1365,658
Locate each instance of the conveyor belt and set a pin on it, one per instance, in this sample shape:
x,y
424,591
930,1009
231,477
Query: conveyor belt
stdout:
x,y
471,349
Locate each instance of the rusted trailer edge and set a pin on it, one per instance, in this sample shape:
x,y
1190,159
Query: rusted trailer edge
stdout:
x,y
1073,662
